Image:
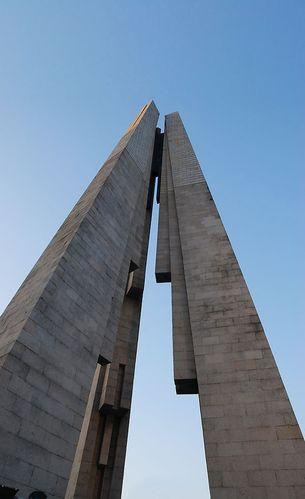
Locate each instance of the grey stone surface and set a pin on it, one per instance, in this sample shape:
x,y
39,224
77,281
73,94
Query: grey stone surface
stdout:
x,y
254,446
68,339
66,314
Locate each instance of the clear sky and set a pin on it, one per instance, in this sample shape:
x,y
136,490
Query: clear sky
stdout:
x,y
73,76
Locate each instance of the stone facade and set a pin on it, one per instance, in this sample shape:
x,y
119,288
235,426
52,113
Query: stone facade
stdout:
x,y
254,446
70,318
68,339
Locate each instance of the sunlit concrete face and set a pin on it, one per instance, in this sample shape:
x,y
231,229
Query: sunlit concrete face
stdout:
x,y
68,339
254,446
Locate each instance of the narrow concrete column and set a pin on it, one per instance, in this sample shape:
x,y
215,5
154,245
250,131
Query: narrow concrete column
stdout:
x,y
163,269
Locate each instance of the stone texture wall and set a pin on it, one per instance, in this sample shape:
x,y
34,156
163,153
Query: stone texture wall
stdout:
x,y
254,446
108,431
68,339
67,314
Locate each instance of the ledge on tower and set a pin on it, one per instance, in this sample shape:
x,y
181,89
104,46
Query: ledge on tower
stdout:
x,y
186,386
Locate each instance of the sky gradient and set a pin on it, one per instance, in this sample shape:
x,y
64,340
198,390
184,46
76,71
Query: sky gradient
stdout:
x,y
74,74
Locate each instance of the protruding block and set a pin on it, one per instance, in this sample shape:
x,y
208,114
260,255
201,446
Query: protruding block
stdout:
x,y
185,375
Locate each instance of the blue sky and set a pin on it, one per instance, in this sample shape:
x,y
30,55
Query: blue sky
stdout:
x,y
73,76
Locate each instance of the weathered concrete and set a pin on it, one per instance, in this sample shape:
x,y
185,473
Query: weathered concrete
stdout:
x,y
254,446
68,339
67,315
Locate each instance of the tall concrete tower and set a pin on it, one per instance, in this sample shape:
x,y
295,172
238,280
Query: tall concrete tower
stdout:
x,y
253,443
68,339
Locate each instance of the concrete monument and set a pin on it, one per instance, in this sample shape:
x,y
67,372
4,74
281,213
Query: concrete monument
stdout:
x,y
68,339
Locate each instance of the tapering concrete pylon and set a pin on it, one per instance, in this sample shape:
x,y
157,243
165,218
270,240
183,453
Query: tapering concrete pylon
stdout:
x,y
254,446
68,338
